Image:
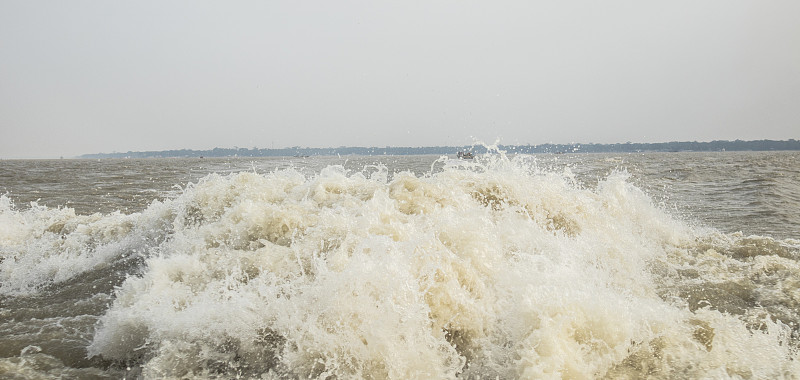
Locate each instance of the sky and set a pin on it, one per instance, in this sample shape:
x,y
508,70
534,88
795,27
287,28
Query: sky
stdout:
x,y
98,76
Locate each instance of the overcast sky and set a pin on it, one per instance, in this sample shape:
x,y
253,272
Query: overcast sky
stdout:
x,y
100,76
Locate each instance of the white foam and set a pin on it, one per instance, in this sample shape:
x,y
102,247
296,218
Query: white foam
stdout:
x,y
486,269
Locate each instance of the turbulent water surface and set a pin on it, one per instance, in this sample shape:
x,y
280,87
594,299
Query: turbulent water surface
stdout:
x,y
680,265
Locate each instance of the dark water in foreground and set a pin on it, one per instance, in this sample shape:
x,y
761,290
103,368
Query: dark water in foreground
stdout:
x,y
680,265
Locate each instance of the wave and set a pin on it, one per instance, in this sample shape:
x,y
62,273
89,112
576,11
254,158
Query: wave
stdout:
x,y
491,268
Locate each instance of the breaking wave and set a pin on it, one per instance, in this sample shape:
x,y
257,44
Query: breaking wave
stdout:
x,y
484,269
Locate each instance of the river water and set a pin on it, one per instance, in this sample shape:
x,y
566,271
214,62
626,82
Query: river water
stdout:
x,y
657,265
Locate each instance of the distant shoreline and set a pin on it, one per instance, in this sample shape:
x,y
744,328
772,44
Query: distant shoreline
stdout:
x,y
628,147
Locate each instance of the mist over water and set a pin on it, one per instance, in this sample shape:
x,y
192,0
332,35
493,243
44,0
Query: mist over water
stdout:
x,y
551,266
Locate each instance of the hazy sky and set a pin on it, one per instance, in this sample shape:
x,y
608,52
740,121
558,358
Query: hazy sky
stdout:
x,y
100,76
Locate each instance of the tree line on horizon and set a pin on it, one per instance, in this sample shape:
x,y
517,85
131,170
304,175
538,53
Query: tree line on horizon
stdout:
x,y
628,147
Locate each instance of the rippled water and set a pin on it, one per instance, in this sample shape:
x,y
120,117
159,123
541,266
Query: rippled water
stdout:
x,y
678,265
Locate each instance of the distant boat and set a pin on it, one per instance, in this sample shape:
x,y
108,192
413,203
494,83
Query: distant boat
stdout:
x,y
466,155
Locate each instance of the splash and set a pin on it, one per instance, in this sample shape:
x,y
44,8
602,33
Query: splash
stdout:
x,y
492,268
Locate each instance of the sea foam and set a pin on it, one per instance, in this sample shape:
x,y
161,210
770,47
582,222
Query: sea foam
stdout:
x,y
484,269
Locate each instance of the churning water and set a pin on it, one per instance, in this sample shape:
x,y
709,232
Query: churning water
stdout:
x,y
682,265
